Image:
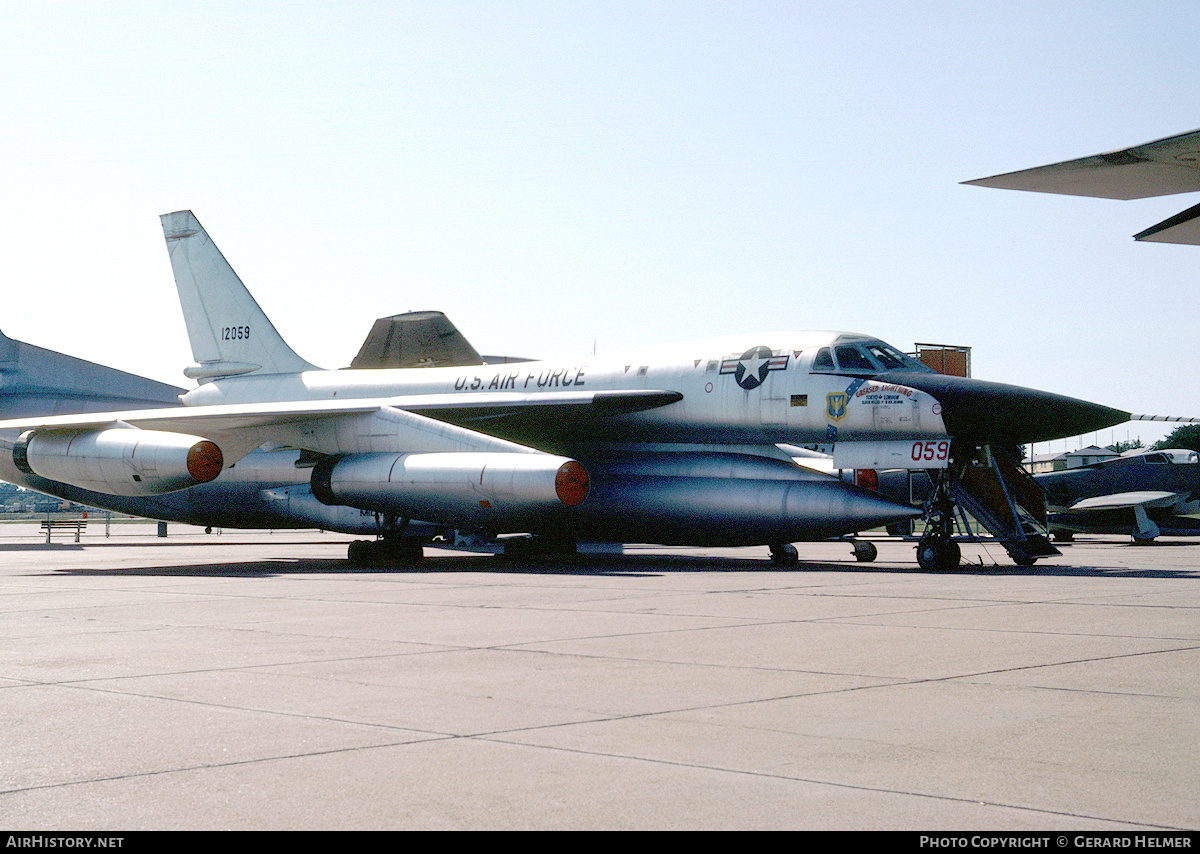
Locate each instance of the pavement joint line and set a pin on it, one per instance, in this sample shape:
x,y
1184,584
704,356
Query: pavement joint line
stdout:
x,y
607,755
604,719
710,716
851,786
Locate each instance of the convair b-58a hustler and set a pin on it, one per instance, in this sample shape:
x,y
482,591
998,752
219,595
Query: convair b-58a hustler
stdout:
x,y
693,444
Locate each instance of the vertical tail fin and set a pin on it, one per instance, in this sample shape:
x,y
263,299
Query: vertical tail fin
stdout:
x,y
230,334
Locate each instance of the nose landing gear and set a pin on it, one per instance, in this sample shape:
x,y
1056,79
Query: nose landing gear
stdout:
x,y
937,551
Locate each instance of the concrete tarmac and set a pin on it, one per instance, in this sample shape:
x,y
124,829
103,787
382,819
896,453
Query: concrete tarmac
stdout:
x,y
256,681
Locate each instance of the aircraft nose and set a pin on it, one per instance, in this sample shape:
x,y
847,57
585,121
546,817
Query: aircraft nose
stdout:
x,y
981,411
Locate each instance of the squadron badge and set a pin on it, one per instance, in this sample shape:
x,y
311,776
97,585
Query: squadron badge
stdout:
x,y
835,405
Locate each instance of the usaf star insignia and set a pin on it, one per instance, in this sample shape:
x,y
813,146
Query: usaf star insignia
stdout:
x,y
751,368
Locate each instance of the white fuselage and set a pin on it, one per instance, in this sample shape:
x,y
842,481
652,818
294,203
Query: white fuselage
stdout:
x,y
703,464
792,403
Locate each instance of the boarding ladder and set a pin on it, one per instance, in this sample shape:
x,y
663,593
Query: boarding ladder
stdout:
x,y
1006,501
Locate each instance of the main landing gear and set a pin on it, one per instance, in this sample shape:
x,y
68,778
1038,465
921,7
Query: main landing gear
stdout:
x,y
546,546
384,552
864,551
391,549
785,554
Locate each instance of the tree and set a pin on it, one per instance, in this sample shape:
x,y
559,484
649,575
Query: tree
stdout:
x,y
1183,436
1125,445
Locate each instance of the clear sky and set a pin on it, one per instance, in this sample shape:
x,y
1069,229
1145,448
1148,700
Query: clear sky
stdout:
x,y
559,176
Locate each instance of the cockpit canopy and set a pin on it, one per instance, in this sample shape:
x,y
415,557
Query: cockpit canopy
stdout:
x,y
864,357
1176,456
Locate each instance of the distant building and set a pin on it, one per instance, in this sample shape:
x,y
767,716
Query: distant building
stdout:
x,y
1070,459
952,359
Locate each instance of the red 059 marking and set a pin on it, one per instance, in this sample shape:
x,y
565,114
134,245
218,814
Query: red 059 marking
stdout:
x,y
931,450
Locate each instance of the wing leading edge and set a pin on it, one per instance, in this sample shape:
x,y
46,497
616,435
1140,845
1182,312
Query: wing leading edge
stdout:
x,y
1127,512
1162,167
410,423
1124,500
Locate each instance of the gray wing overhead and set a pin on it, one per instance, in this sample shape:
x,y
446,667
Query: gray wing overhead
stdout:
x,y
1159,168
415,339
37,382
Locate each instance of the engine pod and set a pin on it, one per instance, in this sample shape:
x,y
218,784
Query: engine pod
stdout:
x,y
489,490
119,460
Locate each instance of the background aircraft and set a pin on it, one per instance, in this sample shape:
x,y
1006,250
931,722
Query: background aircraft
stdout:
x,y
1151,492
34,382
1159,168
675,445
1143,494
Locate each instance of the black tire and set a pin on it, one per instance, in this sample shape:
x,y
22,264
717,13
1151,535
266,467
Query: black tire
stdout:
x,y
935,555
865,552
785,555
359,553
929,555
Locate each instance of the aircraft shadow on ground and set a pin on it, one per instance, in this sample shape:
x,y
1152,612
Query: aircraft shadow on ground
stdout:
x,y
149,542
626,566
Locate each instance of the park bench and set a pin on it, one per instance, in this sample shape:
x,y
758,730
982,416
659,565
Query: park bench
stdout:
x,y
51,525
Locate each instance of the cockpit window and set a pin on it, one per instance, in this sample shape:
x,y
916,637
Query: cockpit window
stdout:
x,y
891,358
865,358
852,359
823,361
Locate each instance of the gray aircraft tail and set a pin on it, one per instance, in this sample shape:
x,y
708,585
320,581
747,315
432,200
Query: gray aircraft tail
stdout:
x,y
230,334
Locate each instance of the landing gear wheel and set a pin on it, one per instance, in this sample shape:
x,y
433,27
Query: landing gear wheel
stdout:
x,y
865,552
929,555
405,551
938,555
540,547
937,550
384,552
784,554
359,552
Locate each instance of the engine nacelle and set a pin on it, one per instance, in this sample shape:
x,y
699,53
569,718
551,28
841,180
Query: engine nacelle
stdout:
x,y
119,460
488,490
715,498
